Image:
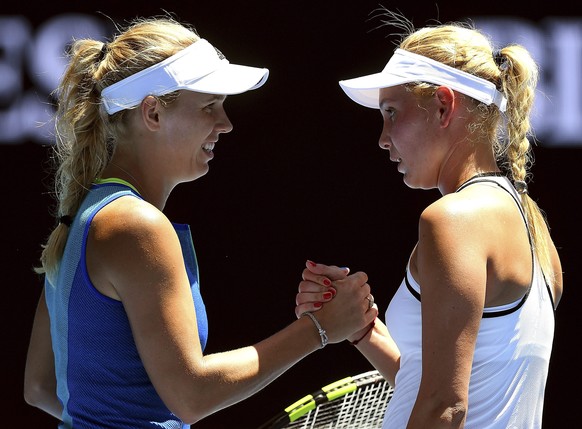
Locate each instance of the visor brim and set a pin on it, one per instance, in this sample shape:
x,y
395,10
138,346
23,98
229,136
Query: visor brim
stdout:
x,y
365,90
230,79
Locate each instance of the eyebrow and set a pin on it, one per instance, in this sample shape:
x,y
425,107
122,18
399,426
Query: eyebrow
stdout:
x,y
214,97
384,102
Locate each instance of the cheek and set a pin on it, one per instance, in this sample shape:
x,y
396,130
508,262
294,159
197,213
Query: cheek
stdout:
x,y
190,133
405,140
414,147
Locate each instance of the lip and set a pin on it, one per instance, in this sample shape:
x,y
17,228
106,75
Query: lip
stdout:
x,y
209,152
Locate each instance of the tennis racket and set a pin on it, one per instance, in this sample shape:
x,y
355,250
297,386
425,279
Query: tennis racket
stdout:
x,y
353,402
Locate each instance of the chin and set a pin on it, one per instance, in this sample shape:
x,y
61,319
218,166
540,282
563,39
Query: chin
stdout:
x,y
408,182
198,170
198,175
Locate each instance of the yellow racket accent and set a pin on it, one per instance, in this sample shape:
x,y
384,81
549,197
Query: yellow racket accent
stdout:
x,y
300,407
340,388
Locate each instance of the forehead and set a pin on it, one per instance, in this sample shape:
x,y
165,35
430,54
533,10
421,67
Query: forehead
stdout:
x,y
208,97
392,94
201,97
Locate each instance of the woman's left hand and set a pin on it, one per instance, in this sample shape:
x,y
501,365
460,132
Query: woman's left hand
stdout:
x,y
316,287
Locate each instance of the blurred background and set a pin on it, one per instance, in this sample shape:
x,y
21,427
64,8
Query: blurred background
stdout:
x,y
300,177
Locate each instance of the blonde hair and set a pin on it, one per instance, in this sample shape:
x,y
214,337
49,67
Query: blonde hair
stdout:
x,y
515,73
85,134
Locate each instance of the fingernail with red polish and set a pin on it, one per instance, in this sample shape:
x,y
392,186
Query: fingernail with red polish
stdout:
x,y
311,263
326,282
327,295
318,305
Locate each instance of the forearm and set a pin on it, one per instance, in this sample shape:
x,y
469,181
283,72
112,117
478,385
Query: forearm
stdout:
x,y
227,378
40,384
222,379
381,351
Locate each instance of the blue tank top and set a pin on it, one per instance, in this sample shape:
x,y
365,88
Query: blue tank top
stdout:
x,y
101,380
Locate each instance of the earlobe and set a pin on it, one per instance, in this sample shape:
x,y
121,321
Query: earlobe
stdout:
x,y
446,99
150,112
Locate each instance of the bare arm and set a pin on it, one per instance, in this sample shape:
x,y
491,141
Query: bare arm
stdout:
x,y
141,264
376,345
40,386
557,281
450,264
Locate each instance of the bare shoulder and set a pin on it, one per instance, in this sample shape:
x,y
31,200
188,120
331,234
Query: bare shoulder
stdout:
x,y
128,217
481,208
478,227
473,222
129,242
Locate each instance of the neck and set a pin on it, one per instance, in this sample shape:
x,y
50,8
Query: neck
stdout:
x,y
148,187
465,160
483,174
128,177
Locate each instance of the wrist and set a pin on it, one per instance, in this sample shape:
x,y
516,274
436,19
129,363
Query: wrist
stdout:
x,y
369,329
320,330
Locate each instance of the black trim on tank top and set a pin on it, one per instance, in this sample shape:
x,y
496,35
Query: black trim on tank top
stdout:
x,y
410,288
480,178
485,315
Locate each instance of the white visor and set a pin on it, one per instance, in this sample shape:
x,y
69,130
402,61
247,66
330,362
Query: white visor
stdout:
x,y
199,67
406,67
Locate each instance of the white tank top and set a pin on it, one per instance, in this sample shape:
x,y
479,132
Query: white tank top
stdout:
x,y
511,360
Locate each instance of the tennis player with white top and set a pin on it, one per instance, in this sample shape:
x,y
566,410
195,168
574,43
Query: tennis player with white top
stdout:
x,y
468,335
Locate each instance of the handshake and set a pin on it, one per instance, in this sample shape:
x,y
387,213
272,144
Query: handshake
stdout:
x,y
340,304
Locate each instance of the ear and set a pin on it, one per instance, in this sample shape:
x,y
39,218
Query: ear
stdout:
x,y
149,109
445,97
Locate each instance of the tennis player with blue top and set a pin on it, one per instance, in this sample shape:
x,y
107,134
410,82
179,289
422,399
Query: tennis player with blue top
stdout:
x,y
120,329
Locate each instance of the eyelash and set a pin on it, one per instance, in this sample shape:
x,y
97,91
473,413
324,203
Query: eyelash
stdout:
x,y
391,112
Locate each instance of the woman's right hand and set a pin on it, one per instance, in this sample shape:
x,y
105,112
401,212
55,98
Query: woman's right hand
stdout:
x,y
344,315
317,287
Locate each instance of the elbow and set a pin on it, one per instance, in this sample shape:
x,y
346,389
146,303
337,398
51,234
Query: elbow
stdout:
x,y
456,414
192,409
41,392
440,413
36,394
203,400
191,415
451,416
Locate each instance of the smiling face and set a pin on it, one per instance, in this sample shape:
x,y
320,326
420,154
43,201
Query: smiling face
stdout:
x,y
411,133
192,125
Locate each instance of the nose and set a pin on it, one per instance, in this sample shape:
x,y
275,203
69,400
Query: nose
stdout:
x,y
384,141
223,124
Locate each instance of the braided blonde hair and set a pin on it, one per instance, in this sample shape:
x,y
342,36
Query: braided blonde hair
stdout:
x,y
515,73
85,134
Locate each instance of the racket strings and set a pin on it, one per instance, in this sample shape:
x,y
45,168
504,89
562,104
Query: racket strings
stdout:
x,y
365,407
362,409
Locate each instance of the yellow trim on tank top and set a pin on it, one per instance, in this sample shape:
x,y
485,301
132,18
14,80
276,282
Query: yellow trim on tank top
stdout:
x,y
116,180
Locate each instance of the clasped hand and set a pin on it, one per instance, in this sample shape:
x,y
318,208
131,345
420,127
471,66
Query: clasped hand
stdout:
x,y
341,301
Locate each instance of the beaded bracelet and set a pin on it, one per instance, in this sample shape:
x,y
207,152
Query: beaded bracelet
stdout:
x,y
353,343
320,330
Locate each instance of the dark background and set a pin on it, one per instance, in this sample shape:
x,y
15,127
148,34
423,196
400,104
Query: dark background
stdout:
x,y
301,176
